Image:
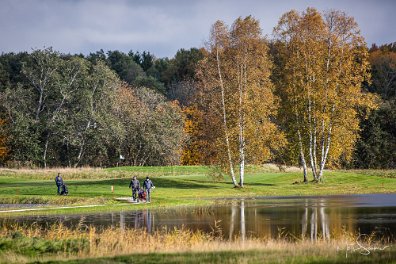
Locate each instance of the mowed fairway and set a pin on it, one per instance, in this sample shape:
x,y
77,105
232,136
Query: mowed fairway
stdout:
x,y
178,185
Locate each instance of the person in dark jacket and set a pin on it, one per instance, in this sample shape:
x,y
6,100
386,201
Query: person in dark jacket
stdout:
x,y
148,185
135,184
59,182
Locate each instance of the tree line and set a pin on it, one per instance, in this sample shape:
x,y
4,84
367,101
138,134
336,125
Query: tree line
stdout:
x,y
313,96
62,110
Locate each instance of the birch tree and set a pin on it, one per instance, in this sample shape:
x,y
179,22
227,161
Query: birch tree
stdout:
x,y
325,64
220,41
235,75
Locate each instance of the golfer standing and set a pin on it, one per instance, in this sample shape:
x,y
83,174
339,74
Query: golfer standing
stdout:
x,y
147,185
59,182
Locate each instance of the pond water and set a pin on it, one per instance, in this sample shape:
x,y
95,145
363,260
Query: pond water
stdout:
x,y
311,217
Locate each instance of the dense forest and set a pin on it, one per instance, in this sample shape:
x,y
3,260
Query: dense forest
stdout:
x,y
313,96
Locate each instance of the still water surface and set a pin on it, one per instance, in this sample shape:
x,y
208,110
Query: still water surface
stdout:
x,y
311,217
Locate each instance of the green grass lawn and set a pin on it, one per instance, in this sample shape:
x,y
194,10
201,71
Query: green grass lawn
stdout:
x,y
179,185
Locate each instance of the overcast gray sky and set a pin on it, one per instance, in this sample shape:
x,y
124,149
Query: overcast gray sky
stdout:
x,y
161,27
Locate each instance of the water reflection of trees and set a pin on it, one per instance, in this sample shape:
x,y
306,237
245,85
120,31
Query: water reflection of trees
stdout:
x,y
312,219
235,206
295,218
307,220
241,219
317,219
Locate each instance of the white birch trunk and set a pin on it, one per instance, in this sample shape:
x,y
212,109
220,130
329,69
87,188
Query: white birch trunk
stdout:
x,y
311,158
315,162
241,128
40,103
324,158
322,144
324,148
80,154
302,156
45,151
231,165
241,157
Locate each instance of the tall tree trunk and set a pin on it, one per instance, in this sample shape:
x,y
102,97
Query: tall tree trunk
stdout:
x,y
40,102
241,157
300,145
302,156
80,154
241,127
323,147
45,151
326,152
311,157
314,142
81,151
225,126
322,144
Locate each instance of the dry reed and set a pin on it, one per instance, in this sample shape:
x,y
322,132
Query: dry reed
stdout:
x,y
109,242
67,173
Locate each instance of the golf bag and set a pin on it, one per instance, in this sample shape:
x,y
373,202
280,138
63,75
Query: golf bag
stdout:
x,y
64,190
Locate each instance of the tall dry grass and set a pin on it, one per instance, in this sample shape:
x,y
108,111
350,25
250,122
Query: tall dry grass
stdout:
x,y
109,242
67,173
86,173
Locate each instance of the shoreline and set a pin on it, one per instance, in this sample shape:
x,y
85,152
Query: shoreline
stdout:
x,y
128,206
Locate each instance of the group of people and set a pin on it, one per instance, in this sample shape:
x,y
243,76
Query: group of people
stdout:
x,y
141,193
137,192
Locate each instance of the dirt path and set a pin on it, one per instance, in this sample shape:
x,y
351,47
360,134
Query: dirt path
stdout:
x,y
50,208
124,199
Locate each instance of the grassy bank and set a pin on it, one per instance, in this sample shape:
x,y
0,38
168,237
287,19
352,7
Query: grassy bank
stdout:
x,y
22,244
177,185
